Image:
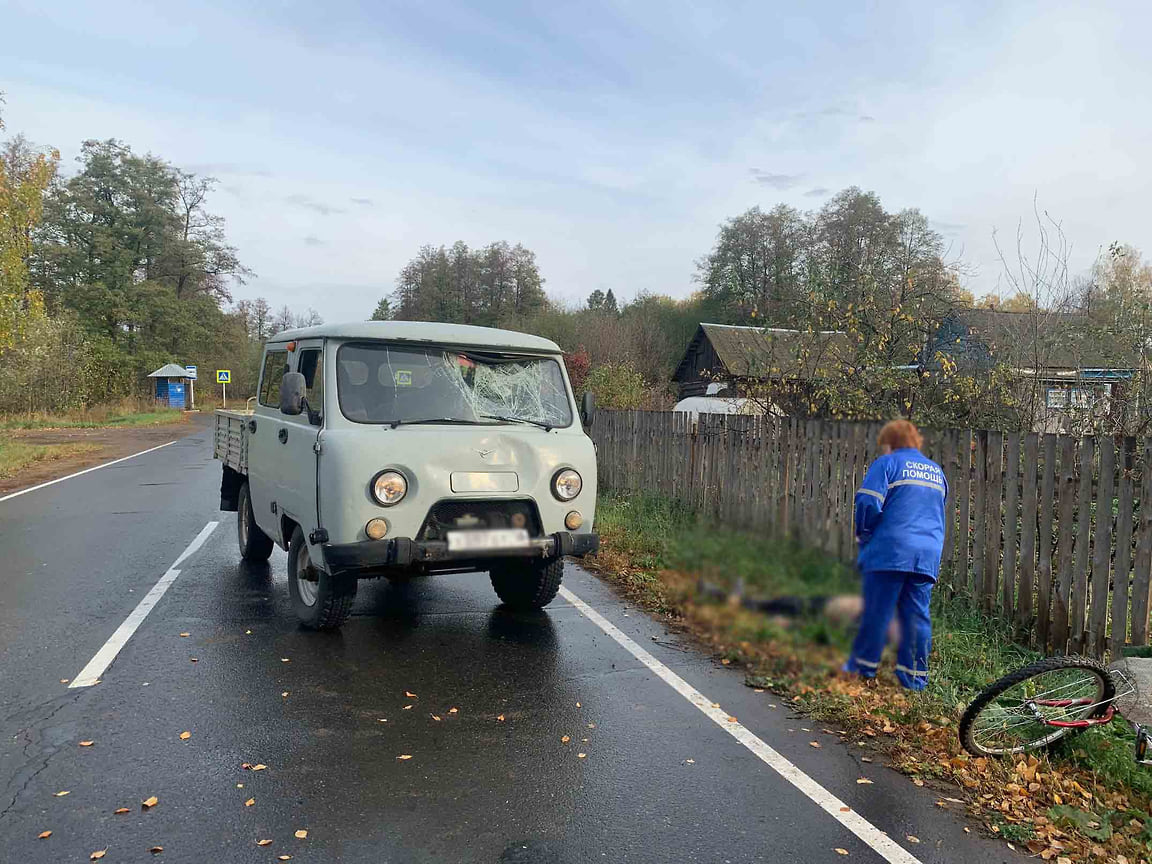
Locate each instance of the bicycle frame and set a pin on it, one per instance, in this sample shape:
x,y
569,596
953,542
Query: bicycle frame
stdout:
x,y
1106,717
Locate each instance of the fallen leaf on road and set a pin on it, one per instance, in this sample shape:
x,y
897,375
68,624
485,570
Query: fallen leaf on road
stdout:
x,y
690,761
758,690
120,810
577,704
285,660
263,842
156,850
283,857
732,720
61,793
184,736
87,743
815,744
404,757
259,767
43,835
302,834
63,680
725,661
434,717
591,725
1063,860
149,802
247,632
840,851
285,693
185,634
913,838
407,707
245,766
866,759
97,855
845,809
500,718
411,695
967,830
249,802
581,755
382,719
715,704
453,710
194,659
239,785
918,782
565,739
863,781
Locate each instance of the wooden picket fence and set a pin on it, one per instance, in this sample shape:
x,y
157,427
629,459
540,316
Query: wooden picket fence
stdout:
x,y
1053,533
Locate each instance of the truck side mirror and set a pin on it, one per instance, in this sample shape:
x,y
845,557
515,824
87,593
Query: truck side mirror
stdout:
x,y
587,409
292,394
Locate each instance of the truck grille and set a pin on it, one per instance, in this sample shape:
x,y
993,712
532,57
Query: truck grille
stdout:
x,y
458,515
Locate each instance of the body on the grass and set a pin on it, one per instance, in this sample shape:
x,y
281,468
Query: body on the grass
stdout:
x,y
900,530
406,448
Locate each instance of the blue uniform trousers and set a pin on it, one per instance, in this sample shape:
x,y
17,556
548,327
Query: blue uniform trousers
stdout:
x,y
907,595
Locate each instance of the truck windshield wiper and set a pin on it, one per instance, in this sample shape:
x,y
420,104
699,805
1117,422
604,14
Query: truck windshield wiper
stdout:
x,y
547,427
430,420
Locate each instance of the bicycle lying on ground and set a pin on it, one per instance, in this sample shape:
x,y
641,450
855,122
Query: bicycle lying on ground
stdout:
x,y
1046,702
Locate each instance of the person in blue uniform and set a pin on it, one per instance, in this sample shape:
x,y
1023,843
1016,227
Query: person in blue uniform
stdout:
x,y
900,531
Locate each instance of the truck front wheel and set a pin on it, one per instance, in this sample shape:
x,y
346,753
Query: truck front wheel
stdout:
x,y
528,584
320,600
255,545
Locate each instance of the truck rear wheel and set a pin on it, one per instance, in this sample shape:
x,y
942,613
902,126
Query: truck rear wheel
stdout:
x,y
320,600
528,584
255,545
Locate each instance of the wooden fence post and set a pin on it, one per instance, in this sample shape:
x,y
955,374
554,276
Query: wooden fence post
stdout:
x,y
963,530
993,499
1028,513
1094,639
1011,524
1121,580
1078,601
1143,567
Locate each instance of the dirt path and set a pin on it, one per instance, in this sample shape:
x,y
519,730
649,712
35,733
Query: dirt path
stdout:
x,y
113,443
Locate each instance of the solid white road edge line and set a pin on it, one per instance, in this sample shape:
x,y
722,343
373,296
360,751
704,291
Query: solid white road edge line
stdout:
x,y
78,473
880,842
103,658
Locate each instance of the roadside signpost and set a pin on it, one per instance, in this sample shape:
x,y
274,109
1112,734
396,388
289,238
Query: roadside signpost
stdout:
x,y
192,385
223,378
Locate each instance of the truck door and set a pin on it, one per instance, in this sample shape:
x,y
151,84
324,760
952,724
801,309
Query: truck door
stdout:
x,y
297,439
264,447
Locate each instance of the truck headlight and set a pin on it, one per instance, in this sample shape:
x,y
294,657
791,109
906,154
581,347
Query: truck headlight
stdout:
x,y
566,484
389,487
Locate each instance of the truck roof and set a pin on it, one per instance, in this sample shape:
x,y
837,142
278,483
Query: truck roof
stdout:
x,y
424,331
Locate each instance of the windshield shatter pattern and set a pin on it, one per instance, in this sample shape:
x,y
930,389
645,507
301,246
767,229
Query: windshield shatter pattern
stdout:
x,y
388,384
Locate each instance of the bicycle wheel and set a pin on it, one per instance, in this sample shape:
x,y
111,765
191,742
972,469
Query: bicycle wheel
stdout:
x,y
1014,714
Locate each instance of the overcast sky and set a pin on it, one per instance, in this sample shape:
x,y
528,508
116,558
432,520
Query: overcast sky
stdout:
x,y
610,138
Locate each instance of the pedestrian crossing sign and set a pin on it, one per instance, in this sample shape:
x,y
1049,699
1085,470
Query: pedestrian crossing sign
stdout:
x,y
223,376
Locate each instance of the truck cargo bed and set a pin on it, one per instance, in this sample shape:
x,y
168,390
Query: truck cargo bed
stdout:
x,y
230,444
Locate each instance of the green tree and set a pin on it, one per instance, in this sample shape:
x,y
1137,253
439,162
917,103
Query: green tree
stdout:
x,y
383,311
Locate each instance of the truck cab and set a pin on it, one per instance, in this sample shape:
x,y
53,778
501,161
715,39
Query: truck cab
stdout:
x,y
410,448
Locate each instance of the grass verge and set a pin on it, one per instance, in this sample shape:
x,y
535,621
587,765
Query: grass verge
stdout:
x,y
123,414
15,455
1086,801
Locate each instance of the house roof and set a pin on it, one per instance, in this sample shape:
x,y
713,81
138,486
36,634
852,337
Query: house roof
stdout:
x,y
759,352
172,370
425,331
1038,340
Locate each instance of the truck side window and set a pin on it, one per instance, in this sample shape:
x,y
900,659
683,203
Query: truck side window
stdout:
x,y
275,365
311,366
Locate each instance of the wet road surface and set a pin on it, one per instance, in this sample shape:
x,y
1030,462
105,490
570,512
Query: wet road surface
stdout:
x,y
330,715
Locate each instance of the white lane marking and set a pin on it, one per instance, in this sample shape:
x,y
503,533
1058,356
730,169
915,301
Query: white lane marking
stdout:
x,y
880,842
78,473
103,658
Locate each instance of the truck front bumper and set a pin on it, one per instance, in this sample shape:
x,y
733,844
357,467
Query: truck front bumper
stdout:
x,y
397,552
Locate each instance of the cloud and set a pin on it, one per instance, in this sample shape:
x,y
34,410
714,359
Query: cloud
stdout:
x,y
312,204
818,192
363,202
776,181
312,240
835,111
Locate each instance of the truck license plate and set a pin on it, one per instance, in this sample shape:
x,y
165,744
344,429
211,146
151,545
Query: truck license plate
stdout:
x,y
500,538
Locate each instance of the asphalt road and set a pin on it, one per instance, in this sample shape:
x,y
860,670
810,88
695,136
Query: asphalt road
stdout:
x,y
329,715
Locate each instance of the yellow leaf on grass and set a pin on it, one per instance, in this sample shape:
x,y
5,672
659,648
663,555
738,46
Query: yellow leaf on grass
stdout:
x,y
249,802
863,781
404,757
263,842
565,739
150,802
302,834
87,743
43,835
120,810
184,736
98,854
411,695
61,793
259,767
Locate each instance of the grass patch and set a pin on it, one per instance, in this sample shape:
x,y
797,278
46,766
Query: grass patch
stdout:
x,y
658,552
127,413
16,455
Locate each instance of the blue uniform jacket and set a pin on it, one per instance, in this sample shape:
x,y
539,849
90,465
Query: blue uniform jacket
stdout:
x,y
900,514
